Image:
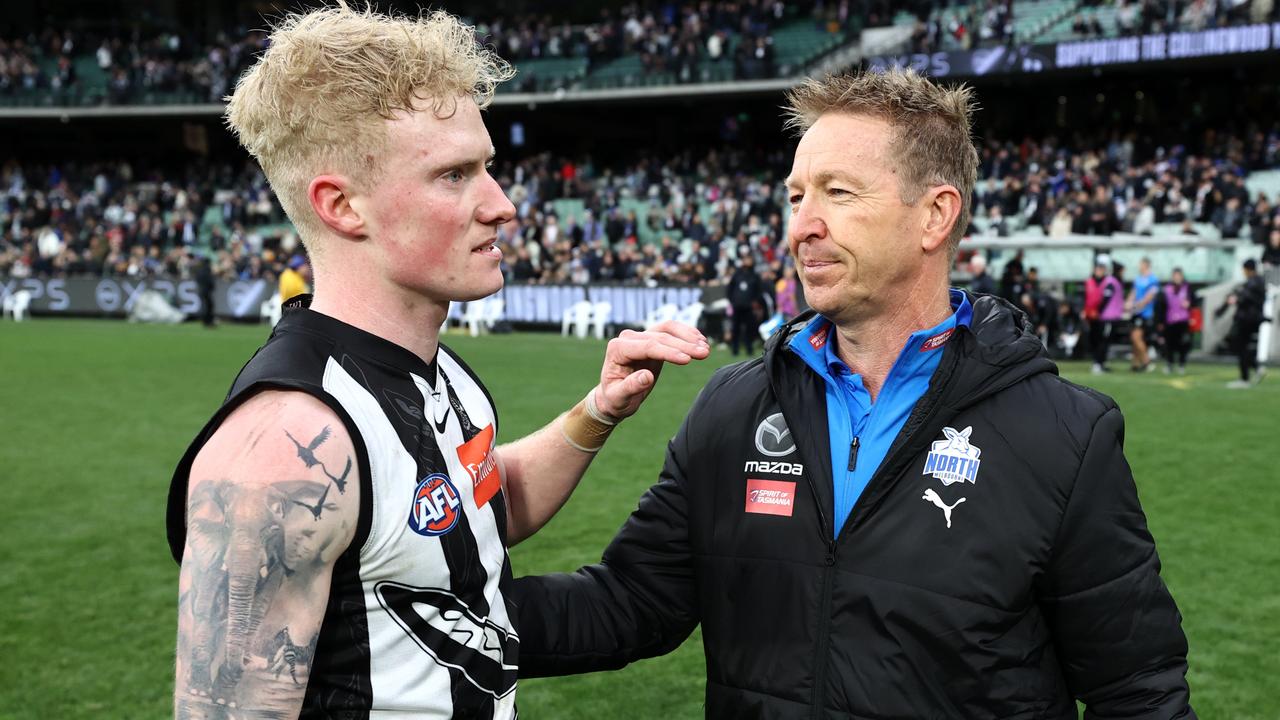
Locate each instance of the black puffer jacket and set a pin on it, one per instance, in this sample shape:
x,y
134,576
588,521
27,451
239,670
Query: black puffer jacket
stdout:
x,y
1006,595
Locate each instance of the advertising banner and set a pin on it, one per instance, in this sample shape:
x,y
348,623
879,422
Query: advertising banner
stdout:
x,y
115,296
1030,59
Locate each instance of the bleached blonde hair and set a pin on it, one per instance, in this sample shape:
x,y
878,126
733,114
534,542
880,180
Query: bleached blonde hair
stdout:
x,y
318,99
930,125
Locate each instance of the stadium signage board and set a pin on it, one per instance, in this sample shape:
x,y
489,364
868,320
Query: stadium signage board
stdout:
x,y
545,304
1030,59
117,295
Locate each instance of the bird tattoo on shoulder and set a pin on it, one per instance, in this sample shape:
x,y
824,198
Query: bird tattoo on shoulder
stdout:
x,y
307,453
319,507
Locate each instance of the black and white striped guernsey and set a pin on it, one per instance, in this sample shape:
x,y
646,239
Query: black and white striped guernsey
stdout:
x,y
416,624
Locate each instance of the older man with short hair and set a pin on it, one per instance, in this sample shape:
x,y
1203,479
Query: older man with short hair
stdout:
x,y
900,511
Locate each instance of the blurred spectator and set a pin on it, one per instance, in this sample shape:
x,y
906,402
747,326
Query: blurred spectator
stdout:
x,y
1142,304
1229,219
1248,301
295,279
982,283
1178,301
789,293
745,300
1103,307
1271,254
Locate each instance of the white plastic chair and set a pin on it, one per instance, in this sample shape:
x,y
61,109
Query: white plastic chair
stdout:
x,y
17,305
1068,342
690,314
600,313
576,316
661,314
474,316
444,325
271,310
770,326
492,313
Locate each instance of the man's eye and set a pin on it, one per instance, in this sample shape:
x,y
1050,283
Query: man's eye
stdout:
x,y
454,176
795,199
837,191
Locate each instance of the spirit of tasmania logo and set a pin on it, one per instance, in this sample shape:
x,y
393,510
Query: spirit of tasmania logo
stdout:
x,y
954,460
770,497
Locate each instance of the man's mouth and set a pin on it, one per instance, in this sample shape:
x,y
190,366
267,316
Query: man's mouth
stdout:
x,y
489,249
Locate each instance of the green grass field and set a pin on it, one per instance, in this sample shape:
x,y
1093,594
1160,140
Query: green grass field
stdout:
x,y
94,414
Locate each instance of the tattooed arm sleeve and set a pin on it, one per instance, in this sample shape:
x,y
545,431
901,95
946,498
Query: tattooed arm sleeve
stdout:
x,y
269,510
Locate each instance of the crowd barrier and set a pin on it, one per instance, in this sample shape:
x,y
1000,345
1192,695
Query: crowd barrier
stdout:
x,y
1069,259
546,304
243,299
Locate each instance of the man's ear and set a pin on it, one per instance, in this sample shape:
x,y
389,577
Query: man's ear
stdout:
x,y
942,203
330,197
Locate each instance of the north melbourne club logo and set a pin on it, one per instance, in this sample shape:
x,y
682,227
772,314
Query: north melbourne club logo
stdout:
x,y
955,459
773,437
436,506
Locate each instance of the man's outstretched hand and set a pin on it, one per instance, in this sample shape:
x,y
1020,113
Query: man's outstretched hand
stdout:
x,y
633,360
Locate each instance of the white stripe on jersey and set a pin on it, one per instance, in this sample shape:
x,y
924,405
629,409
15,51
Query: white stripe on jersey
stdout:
x,y
406,678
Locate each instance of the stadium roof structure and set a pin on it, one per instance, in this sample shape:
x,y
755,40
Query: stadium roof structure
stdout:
x,y
737,87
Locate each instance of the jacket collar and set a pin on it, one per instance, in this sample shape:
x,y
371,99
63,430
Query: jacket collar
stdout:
x,y
996,350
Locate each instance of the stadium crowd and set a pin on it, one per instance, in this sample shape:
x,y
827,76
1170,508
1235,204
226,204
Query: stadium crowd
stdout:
x,y
1107,184
684,219
668,37
132,64
944,25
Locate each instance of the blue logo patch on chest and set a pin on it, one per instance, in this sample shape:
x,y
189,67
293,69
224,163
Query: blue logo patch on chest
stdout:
x,y
955,459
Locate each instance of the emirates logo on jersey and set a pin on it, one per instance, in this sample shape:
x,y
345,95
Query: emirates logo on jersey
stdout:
x,y
477,457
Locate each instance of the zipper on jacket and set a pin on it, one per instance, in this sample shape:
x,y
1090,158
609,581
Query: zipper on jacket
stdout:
x,y
853,454
861,510
824,632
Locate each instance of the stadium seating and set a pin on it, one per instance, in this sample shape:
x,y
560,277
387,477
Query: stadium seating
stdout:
x,y
1032,19
690,314
481,315
271,310
1062,30
547,74
16,305
800,42
1266,182
661,314
601,314
577,317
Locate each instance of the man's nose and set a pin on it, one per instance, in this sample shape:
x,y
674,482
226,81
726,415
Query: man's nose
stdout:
x,y
497,208
807,223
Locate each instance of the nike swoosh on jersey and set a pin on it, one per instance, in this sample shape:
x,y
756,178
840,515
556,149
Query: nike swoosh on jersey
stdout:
x,y
443,420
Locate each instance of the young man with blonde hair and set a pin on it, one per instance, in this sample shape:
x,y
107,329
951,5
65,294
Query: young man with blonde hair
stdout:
x,y
900,511
342,520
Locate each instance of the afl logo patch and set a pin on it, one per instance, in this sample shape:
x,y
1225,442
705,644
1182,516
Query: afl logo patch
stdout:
x,y
435,507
